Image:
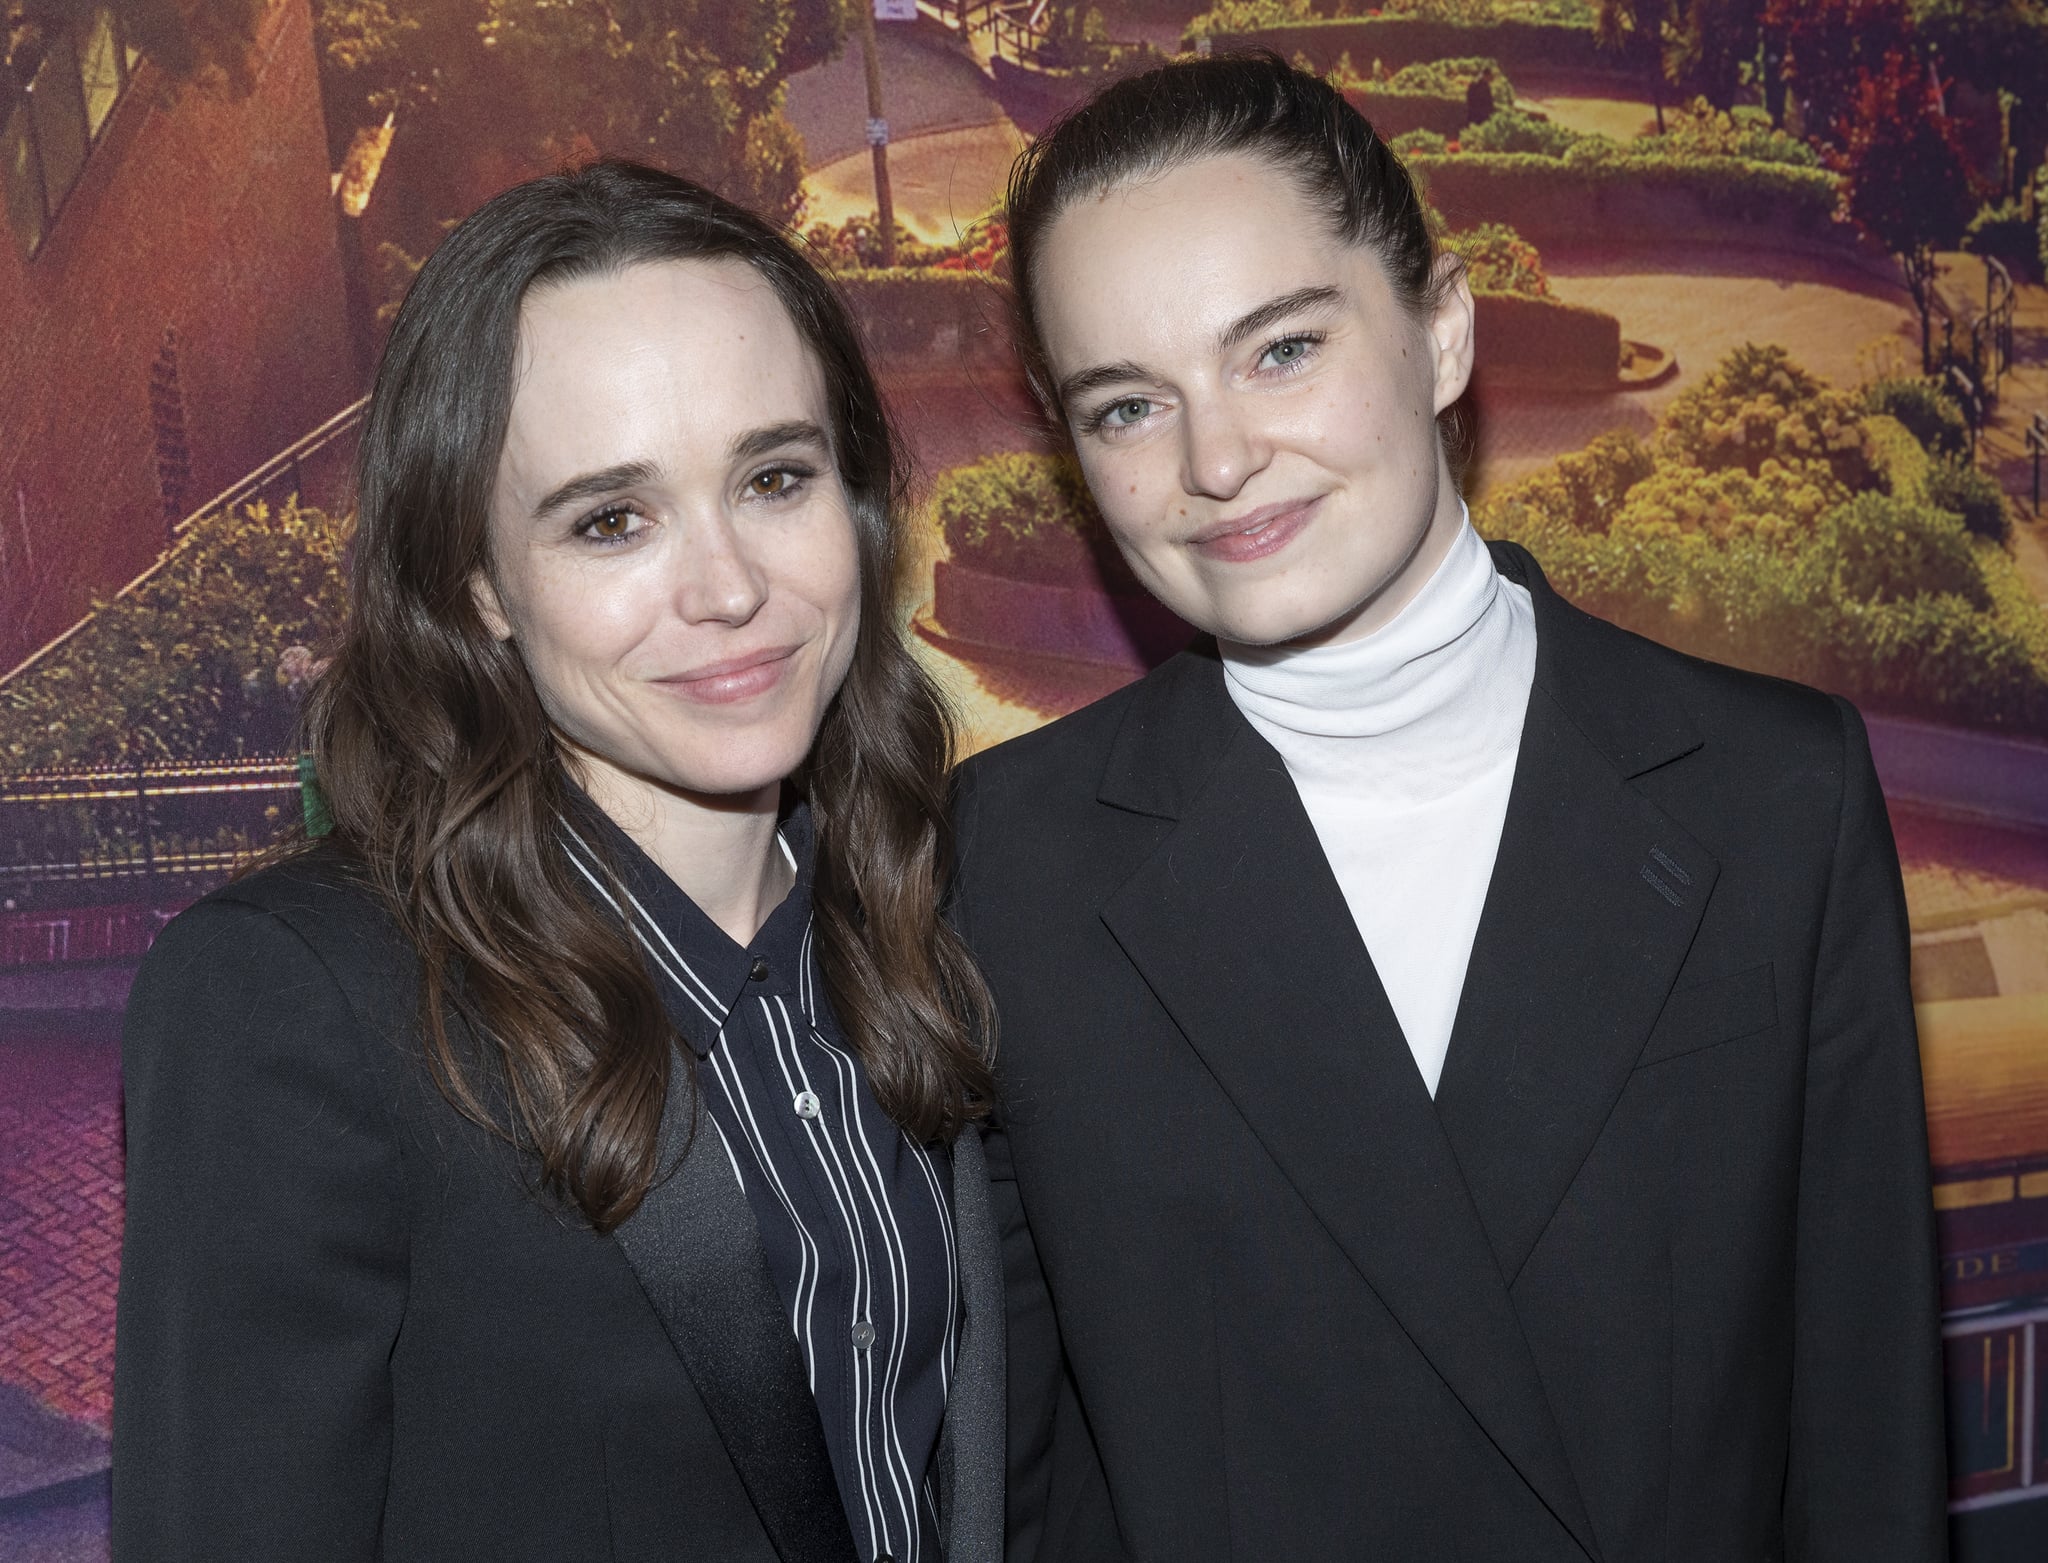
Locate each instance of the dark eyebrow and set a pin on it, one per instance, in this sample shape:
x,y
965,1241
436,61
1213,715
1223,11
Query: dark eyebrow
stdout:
x,y
1270,313
627,474
776,436
1273,311
592,485
1081,382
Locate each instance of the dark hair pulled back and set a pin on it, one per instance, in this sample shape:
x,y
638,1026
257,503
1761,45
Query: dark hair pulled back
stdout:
x,y
1251,103
445,779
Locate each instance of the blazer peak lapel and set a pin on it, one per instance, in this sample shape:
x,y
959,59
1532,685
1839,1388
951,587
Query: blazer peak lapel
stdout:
x,y
1595,898
1240,929
694,1246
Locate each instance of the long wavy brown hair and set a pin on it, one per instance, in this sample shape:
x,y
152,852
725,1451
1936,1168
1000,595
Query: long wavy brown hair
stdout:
x,y
445,780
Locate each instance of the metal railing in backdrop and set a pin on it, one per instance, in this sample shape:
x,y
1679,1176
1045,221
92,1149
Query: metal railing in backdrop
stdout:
x,y
317,468
156,833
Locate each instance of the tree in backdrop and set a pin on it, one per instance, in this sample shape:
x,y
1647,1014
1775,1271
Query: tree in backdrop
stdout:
x,y
1710,48
1906,178
212,42
1635,29
1829,47
519,85
1700,48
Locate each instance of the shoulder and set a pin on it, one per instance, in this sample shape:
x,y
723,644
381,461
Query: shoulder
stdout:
x,y
1071,744
1634,694
1060,766
307,929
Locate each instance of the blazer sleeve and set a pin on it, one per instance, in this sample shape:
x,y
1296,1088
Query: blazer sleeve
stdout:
x,y
263,1267
1033,1358
1033,1354
1867,1476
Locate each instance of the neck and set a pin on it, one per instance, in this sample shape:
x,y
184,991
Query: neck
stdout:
x,y
1413,711
721,851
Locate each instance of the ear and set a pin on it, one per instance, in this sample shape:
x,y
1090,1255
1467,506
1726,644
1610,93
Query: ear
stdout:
x,y
485,596
1451,332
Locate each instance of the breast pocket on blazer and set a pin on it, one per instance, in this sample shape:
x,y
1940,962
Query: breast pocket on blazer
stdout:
x,y
1722,1009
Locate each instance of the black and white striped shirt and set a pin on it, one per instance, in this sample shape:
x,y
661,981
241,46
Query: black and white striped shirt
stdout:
x,y
855,1218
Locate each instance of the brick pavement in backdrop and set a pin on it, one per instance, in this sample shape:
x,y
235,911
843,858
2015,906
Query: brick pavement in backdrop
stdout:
x,y
60,1214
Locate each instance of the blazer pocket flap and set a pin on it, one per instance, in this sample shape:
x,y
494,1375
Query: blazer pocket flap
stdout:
x,y
1721,1009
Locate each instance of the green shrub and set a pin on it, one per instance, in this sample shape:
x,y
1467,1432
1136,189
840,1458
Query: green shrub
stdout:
x,y
1547,341
1413,142
1925,409
1780,503
1027,517
1973,495
2041,206
1517,130
2002,233
1583,491
1777,565
1594,186
1392,113
1450,78
1879,549
1757,405
1499,260
1243,16
194,658
1901,460
1518,38
1701,130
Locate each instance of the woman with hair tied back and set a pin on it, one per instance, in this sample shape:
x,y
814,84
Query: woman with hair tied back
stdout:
x,y
1458,1095
562,1159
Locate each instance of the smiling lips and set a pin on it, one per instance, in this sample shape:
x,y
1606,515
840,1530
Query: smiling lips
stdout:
x,y
735,679
1255,534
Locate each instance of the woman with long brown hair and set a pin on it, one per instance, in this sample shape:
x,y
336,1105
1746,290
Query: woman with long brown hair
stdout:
x,y
561,1158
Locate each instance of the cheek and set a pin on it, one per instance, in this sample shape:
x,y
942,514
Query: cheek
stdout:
x,y
1133,489
818,566
571,622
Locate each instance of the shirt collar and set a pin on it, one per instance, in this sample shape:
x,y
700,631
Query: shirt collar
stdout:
x,y
701,971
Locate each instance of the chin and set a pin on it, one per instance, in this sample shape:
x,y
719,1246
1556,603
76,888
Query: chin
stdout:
x,y
1267,624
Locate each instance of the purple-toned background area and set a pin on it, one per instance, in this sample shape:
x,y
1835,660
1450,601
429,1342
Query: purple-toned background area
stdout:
x,y
1741,280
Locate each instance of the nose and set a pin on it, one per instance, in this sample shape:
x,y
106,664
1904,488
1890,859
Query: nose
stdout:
x,y
718,581
1220,449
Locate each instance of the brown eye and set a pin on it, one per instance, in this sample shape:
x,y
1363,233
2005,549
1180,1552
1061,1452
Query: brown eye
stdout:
x,y
767,484
611,524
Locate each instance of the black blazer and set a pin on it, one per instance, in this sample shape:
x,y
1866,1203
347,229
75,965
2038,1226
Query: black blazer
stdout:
x,y
1654,1276
347,1330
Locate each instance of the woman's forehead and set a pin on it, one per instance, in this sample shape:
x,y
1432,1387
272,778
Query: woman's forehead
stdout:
x,y
1178,256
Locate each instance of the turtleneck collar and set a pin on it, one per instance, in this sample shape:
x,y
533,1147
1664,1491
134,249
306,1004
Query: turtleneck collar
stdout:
x,y
1415,711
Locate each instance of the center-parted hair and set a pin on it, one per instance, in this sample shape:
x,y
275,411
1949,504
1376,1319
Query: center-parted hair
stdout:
x,y
1252,104
445,779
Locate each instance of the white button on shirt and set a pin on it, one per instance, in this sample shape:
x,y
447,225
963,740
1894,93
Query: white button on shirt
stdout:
x,y
1402,745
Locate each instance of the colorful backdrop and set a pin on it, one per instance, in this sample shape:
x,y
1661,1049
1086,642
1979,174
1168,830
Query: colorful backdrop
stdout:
x,y
1764,374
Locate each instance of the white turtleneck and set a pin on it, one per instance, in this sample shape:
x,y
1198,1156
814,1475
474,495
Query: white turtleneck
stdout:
x,y
1402,745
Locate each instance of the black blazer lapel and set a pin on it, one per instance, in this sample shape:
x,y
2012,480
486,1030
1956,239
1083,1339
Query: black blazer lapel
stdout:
x,y
697,1253
1240,929
971,1442
1595,897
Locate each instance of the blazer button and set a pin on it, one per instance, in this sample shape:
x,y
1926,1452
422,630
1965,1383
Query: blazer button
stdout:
x,y
863,1336
806,1104
759,970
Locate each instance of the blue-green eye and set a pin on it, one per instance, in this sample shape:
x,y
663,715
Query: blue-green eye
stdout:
x,y
1121,415
1286,352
